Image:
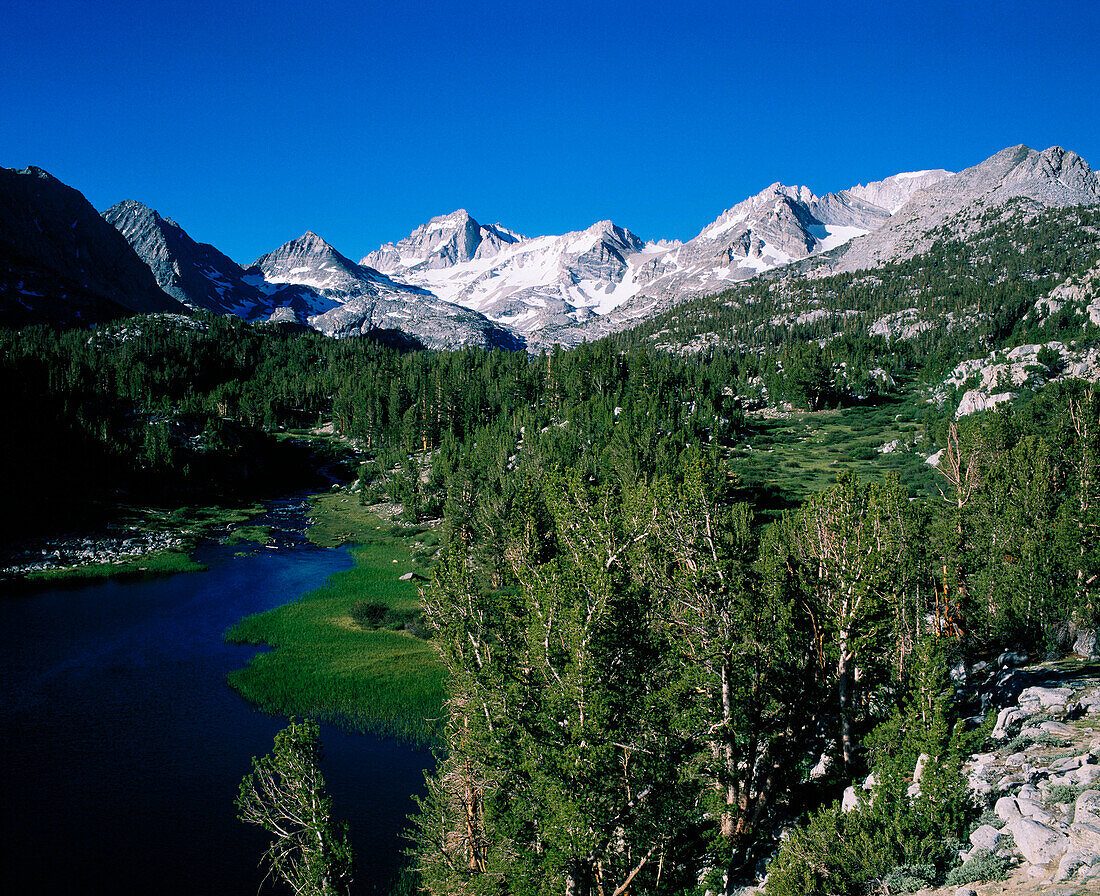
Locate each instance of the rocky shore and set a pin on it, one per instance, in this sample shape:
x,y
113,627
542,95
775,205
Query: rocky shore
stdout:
x,y
84,550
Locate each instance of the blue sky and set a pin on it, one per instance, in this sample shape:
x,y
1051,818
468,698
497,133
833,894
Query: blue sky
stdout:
x,y
250,123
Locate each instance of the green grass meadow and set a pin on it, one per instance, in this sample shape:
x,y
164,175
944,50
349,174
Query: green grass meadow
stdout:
x,y
323,663
782,461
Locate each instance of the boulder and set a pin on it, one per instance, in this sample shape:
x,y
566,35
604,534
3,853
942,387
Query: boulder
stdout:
x,y
1011,658
966,891
1085,776
1087,809
849,802
821,769
1068,866
1039,843
1087,645
1007,719
918,770
1057,729
985,837
1006,809
1084,840
1035,698
1083,852
1066,765
1032,809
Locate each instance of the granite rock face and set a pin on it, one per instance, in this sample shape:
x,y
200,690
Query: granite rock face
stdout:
x,y
196,274
1053,178
61,262
893,192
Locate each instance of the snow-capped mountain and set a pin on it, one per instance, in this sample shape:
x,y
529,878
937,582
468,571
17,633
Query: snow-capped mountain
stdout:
x,y
304,281
317,285
442,242
525,284
454,281
585,284
555,288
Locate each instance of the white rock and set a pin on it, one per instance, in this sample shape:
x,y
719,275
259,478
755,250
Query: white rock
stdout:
x,y
1044,697
849,801
1068,866
1085,776
1087,808
975,400
1087,645
1039,843
1066,765
1032,809
824,763
985,837
918,770
1006,719
1084,840
1006,809
1058,729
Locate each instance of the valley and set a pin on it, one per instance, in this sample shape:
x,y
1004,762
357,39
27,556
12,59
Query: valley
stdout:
x,y
662,546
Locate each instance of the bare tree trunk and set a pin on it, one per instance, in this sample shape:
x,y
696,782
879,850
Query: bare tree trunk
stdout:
x,y
844,692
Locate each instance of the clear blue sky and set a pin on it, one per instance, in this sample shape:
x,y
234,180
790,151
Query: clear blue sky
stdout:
x,y
250,123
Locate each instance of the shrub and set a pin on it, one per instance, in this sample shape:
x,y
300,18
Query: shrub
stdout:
x,y
368,613
1063,793
982,865
1031,737
910,878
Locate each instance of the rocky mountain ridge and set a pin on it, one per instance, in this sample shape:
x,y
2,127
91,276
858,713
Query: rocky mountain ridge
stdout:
x,y
304,281
61,262
1053,178
455,281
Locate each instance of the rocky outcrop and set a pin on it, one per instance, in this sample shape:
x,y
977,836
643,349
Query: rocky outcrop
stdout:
x,y
1053,178
989,381
196,274
1038,783
893,192
61,262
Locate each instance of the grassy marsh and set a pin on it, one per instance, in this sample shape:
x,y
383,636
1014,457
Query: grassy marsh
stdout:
x,y
157,563
325,662
782,461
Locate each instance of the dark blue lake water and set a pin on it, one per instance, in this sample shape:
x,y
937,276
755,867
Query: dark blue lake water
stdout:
x,y
122,747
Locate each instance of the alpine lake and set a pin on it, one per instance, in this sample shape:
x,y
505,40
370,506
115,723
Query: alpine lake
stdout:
x,y
122,746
